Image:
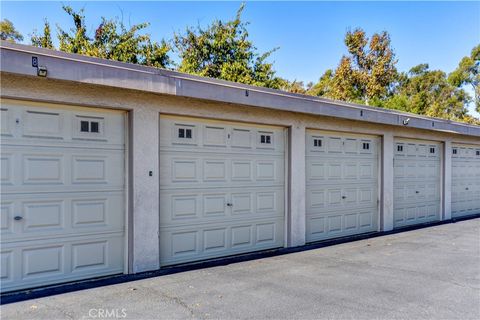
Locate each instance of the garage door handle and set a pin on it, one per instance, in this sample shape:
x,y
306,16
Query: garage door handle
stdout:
x,y
229,205
466,188
417,191
18,218
344,197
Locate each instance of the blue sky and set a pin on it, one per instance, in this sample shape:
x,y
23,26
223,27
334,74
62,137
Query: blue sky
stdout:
x,y
309,34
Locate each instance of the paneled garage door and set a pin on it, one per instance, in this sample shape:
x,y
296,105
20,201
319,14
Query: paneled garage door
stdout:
x,y
465,180
342,184
62,206
416,182
221,188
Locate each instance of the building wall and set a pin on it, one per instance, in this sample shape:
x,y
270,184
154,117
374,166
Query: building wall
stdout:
x,y
144,111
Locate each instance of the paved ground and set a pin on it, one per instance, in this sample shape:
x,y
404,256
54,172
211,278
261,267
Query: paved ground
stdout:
x,y
432,273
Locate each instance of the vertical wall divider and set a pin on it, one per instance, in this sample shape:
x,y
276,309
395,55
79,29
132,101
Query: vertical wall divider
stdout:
x,y
447,180
296,186
386,212
146,254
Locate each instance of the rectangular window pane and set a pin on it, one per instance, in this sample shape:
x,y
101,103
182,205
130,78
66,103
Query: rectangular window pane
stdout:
x,y
84,126
93,126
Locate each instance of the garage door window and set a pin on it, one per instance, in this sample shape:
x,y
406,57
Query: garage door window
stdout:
x,y
317,143
84,126
184,134
266,138
89,125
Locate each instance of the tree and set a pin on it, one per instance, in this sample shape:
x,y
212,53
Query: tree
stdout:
x,y
428,92
296,86
468,73
8,31
367,73
76,41
323,86
112,40
44,40
223,50
347,83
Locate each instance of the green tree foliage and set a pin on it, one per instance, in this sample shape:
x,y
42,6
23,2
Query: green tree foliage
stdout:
x,y
366,73
428,92
8,31
43,40
468,73
323,86
114,41
111,40
223,50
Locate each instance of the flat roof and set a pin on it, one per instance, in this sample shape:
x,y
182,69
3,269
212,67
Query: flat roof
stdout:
x,y
17,59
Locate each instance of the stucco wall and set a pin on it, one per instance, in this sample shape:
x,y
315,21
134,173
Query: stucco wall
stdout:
x,y
144,110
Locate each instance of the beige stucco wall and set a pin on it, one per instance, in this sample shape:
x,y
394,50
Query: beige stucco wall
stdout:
x,y
144,110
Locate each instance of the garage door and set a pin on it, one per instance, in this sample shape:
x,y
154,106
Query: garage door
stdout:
x,y
221,188
342,184
416,182
465,180
62,206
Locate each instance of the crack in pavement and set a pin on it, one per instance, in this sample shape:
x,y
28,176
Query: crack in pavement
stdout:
x,y
179,302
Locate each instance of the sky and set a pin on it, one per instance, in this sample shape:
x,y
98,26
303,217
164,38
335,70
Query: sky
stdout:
x,y
309,35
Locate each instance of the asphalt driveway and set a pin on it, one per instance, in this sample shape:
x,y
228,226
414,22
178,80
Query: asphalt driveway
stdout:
x,y
431,273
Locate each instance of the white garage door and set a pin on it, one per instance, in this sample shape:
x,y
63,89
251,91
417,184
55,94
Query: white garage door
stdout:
x,y
465,180
221,188
342,184
416,182
62,206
